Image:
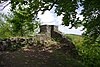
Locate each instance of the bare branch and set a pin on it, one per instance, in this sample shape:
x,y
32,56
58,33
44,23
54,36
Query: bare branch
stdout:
x,y
2,3
4,6
50,7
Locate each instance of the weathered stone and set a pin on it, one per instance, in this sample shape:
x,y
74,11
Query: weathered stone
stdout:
x,y
4,45
43,29
1,45
13,40
47,29
8,40
47,32
0,40
22,39
30,41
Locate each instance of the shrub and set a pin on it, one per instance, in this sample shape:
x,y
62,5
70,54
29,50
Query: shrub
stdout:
x,y
90,53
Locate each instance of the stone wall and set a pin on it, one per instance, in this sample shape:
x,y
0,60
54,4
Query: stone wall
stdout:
x,y
47,32
14,43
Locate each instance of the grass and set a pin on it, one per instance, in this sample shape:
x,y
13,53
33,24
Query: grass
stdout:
x,y
76,39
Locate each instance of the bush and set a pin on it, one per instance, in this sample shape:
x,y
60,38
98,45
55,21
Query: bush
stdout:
x,y
90,53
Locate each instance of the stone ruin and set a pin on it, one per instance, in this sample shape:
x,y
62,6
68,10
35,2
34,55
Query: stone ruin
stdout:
x,y
46,32
48,29
51,31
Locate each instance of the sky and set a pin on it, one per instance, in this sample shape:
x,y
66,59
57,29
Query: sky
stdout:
x,y
50,18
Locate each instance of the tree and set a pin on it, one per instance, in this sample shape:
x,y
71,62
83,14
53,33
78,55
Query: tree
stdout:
x,y
91,12
91,22
21,24
17,24
4,27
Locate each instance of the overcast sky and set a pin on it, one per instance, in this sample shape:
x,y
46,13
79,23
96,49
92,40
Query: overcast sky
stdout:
x,y
49,17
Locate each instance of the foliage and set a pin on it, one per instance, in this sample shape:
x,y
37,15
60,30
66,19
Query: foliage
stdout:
x,y
67,8
5,31
17,24
4,28
91,13
90,53
22,24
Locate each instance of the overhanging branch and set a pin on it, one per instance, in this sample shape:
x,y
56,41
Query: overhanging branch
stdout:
x,y
2,3
50,7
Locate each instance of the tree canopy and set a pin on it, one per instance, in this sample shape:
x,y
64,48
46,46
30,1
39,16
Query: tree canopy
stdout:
x,y
67,8
91,13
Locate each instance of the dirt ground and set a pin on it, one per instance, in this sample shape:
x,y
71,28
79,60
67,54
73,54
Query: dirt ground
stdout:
x,y
34,57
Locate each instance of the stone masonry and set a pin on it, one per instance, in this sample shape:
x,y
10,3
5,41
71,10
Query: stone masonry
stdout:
x,y
47,32
47,29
